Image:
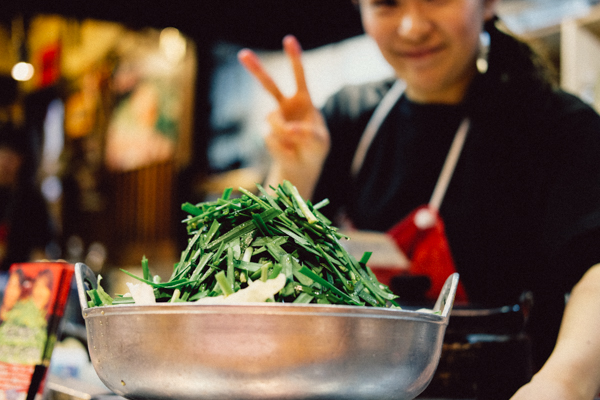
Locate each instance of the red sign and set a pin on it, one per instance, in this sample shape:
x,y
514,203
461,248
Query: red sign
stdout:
x,y
34,302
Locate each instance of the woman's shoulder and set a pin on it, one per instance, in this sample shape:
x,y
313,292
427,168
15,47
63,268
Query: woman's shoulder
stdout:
x,y
561,125
527,105
569,113
568,103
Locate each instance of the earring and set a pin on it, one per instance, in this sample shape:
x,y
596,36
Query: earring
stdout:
x,y
484,47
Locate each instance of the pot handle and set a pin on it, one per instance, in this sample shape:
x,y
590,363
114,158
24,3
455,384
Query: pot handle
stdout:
x,y
445,300
86,280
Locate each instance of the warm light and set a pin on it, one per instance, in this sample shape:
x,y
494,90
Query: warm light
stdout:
x,y
172,44
22,71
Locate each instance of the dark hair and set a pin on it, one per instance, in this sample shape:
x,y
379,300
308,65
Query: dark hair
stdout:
x,y
517,79
517,56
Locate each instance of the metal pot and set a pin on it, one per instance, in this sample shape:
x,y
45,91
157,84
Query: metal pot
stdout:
x,y
264,350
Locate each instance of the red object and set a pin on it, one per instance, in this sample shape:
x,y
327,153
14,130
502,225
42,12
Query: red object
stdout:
x,y
40,290
50,64
422,237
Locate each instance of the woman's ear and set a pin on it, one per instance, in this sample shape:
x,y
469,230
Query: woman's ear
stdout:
x,y
490,9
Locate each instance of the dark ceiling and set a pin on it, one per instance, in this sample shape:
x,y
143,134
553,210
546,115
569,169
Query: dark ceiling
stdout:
x,y
254,23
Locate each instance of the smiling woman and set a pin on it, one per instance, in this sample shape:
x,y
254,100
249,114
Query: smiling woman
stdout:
x,y
518,202
432,45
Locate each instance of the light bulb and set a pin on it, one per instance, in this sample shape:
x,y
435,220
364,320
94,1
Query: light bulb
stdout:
x,y
22,71
172,44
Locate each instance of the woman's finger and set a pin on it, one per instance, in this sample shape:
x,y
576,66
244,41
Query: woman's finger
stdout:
x,y
251,62
292,132
294,51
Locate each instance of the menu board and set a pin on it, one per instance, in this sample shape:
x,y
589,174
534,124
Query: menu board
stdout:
x,y
34,301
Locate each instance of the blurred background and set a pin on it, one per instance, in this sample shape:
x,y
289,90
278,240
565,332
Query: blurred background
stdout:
x,y
136,107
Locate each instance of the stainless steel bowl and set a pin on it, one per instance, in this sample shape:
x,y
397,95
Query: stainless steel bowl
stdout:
x,y
264,350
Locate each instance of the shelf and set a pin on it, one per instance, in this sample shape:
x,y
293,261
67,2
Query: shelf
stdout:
x,y
539,22
591,21
580,56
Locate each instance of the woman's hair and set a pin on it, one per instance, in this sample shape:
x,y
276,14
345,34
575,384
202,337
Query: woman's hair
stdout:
x,y
518,78
513,55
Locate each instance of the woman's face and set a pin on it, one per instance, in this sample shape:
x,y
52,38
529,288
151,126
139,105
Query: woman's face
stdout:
x,y
431,44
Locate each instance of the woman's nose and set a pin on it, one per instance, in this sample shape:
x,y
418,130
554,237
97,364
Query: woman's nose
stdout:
x,y
413,25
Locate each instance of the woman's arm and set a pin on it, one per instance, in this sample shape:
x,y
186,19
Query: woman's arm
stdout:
x,y
573,369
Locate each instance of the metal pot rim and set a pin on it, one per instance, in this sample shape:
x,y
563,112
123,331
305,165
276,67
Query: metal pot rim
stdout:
x,y
268,309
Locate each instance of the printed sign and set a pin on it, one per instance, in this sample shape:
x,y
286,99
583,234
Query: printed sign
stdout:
x,y
33,305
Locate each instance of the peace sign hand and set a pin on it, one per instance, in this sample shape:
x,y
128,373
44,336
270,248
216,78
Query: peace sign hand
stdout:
x,y
299,140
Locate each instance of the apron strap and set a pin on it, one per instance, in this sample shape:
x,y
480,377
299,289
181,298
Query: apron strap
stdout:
x,y
380,114
449,165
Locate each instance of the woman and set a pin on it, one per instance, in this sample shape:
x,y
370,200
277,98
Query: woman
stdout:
x,y
522,205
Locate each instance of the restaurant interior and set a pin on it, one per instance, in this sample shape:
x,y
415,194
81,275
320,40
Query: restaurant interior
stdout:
x,y
138,107
114,193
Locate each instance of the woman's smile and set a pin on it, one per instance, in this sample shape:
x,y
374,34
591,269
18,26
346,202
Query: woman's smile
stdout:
x,y
432,45
420,54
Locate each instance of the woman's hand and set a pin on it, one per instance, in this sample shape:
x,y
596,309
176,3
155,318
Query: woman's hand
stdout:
x,y
299,140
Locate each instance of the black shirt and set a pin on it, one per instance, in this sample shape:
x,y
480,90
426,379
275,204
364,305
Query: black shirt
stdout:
x,y
522,211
